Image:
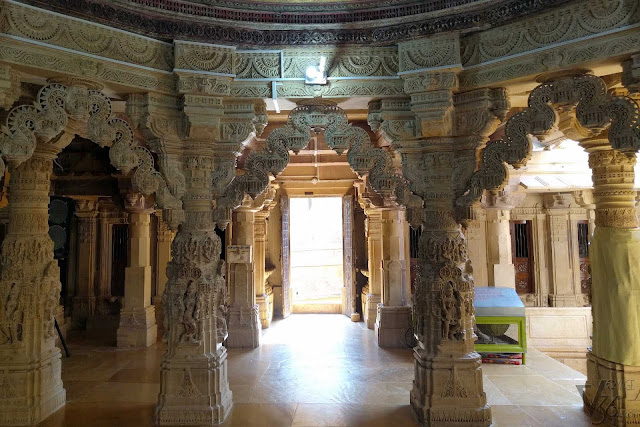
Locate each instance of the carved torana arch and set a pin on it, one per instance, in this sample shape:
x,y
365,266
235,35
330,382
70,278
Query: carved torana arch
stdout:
x,y
317,116
583,99
84,110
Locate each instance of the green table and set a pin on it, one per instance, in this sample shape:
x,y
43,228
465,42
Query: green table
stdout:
x,y
521,347
501,306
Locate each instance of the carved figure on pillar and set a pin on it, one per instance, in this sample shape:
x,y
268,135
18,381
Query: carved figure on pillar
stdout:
x,y
32,138
199,135
438,143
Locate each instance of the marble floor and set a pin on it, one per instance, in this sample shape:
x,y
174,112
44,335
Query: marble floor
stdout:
x,y
311,370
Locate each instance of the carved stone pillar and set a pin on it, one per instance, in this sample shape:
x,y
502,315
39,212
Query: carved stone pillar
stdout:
x,y
562,289
263,298
84,302
264,294
104,269
613,365
194,389
438,135
394,315
163,256
372,296
501,271
477,240
138,326
244,320
30,382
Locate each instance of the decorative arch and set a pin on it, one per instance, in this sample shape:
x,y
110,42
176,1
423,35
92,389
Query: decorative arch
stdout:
x,y
84,110
317,116
583,99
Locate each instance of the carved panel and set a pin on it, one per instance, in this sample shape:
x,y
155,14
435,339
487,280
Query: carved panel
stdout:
x,y
560,25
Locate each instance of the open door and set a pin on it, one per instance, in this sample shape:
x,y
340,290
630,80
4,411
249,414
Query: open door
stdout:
x,y
287,300
349,299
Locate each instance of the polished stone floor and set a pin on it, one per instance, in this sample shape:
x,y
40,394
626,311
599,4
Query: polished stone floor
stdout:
x,y
311,370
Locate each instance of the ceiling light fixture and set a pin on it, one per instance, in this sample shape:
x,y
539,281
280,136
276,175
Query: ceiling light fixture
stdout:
x,y
316,75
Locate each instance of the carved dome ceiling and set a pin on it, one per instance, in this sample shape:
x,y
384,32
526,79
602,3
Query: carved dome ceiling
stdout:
x,y
270,23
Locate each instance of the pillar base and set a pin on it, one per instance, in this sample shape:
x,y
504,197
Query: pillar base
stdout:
x,y
83,307
265,304
370,309
447,391
137,327
244,327
195,390
26,398
612,392
392,325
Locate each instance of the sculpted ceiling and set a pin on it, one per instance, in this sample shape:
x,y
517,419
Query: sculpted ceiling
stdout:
x,y
269,23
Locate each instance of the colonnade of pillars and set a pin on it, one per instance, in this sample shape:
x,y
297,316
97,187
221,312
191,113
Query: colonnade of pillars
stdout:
x,y
194,386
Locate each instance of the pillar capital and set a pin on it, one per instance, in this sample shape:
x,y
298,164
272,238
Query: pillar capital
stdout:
x,y
613,183
86,207
138,203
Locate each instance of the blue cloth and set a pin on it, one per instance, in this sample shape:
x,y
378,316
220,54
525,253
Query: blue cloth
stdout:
x,y
497,301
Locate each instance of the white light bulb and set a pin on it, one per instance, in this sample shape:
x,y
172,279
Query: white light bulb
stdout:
x,y
312,72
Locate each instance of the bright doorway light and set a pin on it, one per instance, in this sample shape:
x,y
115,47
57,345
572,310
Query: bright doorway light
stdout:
x,y
316,251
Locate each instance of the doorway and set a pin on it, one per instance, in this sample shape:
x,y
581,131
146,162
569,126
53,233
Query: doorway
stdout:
x,y
316,245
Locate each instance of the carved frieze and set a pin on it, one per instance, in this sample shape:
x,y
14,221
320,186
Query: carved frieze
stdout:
x,y
203,57
45,27
361,25
433,52
563,24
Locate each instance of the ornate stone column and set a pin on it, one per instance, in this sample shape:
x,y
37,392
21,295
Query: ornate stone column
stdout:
x,y
194,388
163,256
498,206
244,319
476,234
84,302
264,295
562,290
30,383
438,136
107,217
613,365
138,326
371,295
393,314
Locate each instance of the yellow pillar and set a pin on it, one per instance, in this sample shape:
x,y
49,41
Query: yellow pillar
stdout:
x,y
612,393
